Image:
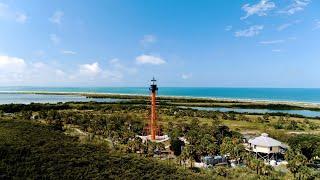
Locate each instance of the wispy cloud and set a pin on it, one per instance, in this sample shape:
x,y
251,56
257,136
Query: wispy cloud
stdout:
x,y
118,66
39,53
3,9
272,42
276,50
228,28
316,24
9,14
148,39
149,59
296,6
186,76
284,26
68,52
287,25
259,9
21,17
251,31
56,18
292,38
117,70
55,39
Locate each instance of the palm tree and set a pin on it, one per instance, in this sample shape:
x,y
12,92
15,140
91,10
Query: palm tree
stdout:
x,y
185,155
297,164
257,164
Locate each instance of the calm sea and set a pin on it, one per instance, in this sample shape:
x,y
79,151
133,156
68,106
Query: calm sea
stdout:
x,y
273,94
14,98
8,96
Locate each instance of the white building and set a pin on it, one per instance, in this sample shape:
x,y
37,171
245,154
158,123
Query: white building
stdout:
x,y
266,147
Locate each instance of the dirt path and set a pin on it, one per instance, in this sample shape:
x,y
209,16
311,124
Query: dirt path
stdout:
x,y
75,131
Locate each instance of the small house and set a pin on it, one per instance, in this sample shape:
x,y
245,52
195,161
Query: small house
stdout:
x,y
266,147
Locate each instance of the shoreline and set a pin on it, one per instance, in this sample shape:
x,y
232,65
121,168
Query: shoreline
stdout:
x,y
94,95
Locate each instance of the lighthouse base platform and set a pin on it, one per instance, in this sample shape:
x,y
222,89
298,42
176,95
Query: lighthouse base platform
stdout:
x,y
158,139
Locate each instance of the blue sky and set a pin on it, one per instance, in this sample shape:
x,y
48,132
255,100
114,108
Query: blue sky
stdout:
x,y
245,43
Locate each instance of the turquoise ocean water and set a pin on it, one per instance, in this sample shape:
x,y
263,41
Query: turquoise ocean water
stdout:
x,y
272,94
8,95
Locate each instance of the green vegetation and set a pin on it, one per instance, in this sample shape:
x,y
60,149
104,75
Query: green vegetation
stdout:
x,y
36,142
36,151
195,102
304,149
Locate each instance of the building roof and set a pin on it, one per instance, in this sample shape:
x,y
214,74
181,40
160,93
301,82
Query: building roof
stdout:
x,y
265,141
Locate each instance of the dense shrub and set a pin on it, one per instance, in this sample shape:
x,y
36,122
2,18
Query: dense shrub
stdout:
x,y
37,152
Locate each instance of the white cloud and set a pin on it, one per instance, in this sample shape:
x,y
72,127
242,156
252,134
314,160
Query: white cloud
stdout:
x,y
186,76
149,59
296,6
16,71
9,14
284,26
60,73
251,31
12,69
228,28
112,75
118,68
148,39
90,69
40,72
317,25
11,64
259,9
68,52
56,17
114,61
115,72
292,38
38,65
272,42
55,39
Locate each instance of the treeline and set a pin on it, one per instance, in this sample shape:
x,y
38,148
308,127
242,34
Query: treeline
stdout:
x,y
203,102
284,121
12,108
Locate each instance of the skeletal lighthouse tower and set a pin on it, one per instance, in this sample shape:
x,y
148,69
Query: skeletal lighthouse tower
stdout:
x,y
153,119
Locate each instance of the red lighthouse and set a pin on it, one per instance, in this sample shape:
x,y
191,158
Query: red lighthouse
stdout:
x,y
152,130
153,119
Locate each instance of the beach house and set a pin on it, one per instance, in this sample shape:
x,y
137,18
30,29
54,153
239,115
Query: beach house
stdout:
x,y
266,147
